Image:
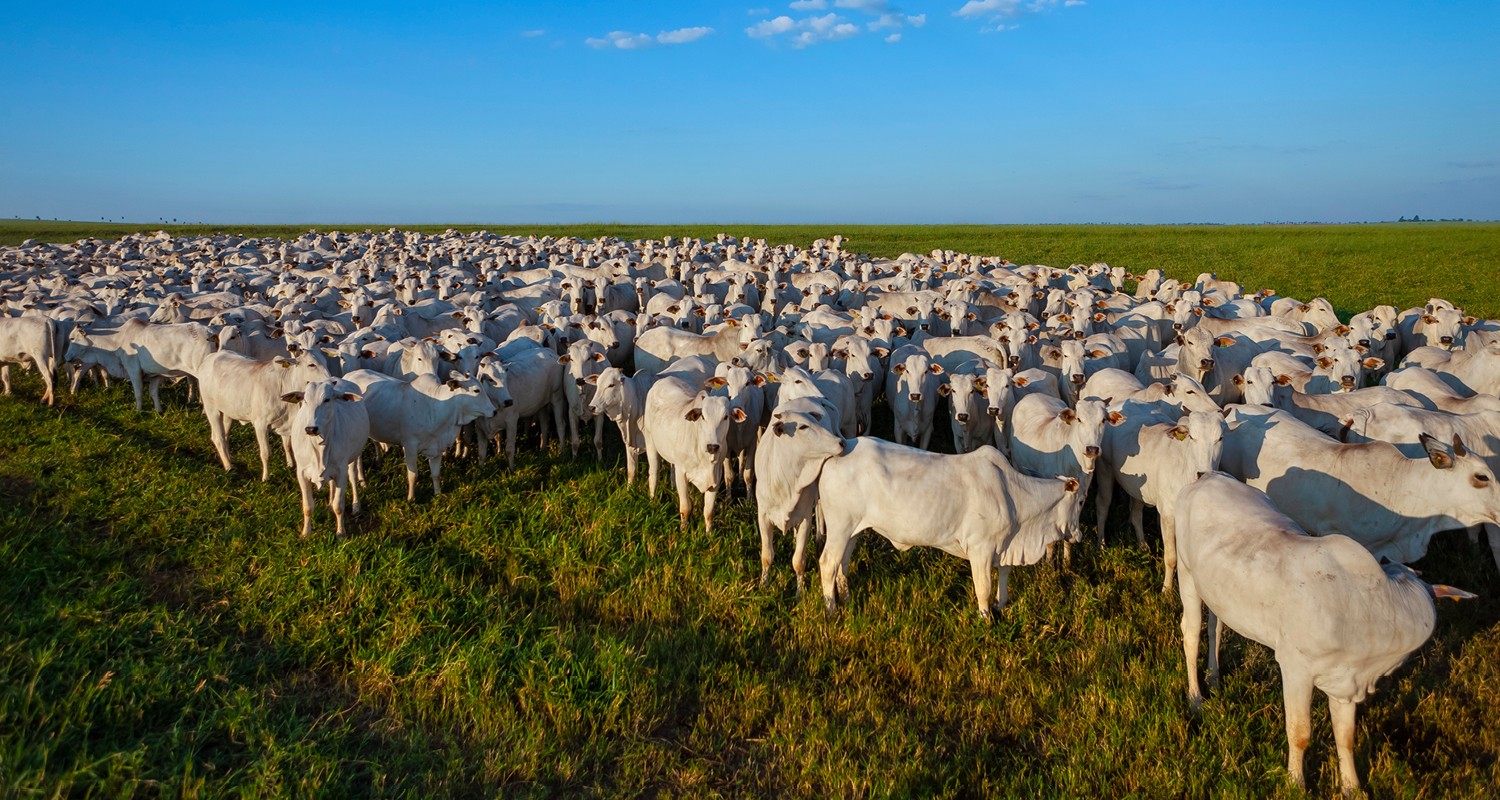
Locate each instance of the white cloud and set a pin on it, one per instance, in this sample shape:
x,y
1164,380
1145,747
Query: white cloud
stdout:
x,y
893,38
625,40
533,34
832,27
995,13
771,27
683,35
804,32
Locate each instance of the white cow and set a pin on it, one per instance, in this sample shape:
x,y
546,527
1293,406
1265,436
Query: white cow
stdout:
x,y
688,428
328,430
240,389
423,416
622,399
1337,618
585,359
1370,492
30,340
163,351
1152,457
803,434
912,390
975,506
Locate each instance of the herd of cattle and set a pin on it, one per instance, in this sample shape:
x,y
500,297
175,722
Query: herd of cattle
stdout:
x,y
1246,420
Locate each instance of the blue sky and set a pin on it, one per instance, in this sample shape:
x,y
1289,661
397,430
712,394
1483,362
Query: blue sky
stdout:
x,y
836,111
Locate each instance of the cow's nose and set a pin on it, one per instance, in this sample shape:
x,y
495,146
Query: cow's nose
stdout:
x,y
1077,378
916,397
508,403
1177,326
963,417
1363,342
1390,334
312,430
1446,339
580,382
1092,451
866,375
1347,381
1206,364
712,448
994,412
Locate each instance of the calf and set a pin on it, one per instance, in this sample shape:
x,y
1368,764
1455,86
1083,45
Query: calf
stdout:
x,y
423,416
975,506
235,388
328,430
789,458
1337,618
30,340
1152,457
687,428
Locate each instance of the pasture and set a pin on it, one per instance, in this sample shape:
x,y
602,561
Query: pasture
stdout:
x,y
548,631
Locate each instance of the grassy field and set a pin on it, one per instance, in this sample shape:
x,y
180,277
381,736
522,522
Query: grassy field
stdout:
x,y
548,631
1354,266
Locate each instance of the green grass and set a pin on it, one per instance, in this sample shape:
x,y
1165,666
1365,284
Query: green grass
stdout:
x,y
548,631
1354,266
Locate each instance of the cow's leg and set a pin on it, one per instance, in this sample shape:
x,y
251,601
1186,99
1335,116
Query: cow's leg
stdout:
x,y
981,567
1002,588
1104,492
1492,532
263,442
843,577
1296,695
352,477
156,393
133,372
1192,629
218,433
49,396
1138,519
1343,714
1215,636
710,497
573,432
632,459
75,377
337,504
767,544
435,468
305,487
799,552
834,545
1169,550
559,408
926,436
481,443
511,423
5,378
410,451
653,462
286,448
684,499
599,436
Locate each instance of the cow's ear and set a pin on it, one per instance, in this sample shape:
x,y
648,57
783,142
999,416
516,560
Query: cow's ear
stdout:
x,y
982,385
1458,446
292,397
1373,363
1224,341
1070,485
693,415
1318,348
899,369
715,383
1437,452
945,390
1115,418
758,380
739,415
1470,320
1097,354
936,369
1324,361
1198,312
1238,380
1429,319
564,358
1179,433
1020,381
598,356
281,362
776,428
731,322
1068,415
447,356
1283,380
349,396
881,352
1342,330
592,379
